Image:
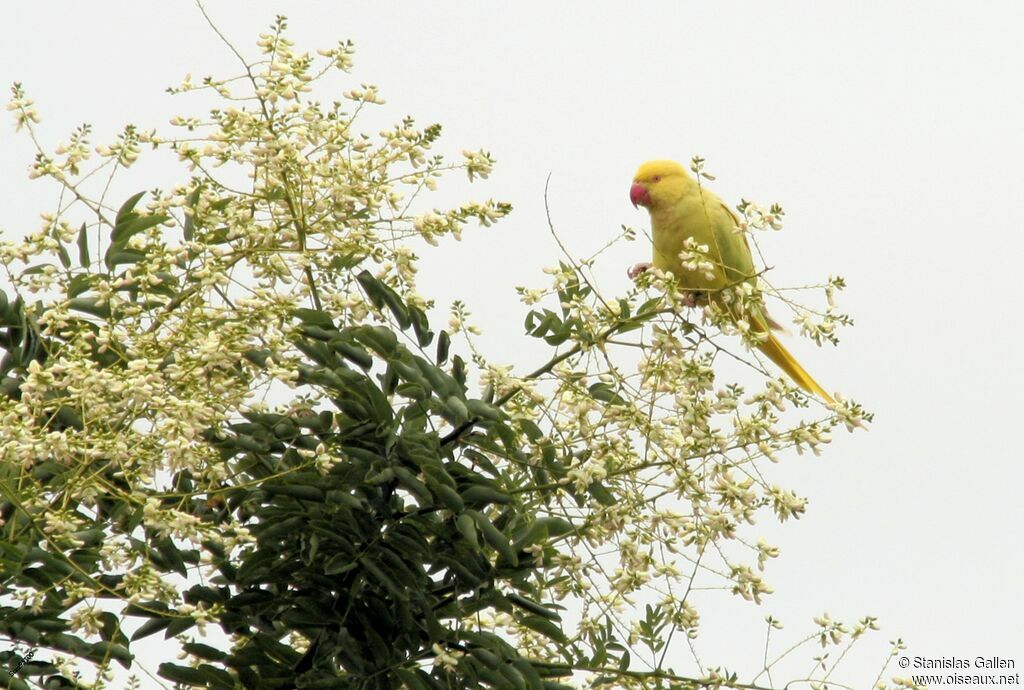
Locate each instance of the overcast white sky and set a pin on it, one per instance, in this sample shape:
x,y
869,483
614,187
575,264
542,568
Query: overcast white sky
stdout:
x,y
892,133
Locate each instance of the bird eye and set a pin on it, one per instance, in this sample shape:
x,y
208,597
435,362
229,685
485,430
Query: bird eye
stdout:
x,y
657,178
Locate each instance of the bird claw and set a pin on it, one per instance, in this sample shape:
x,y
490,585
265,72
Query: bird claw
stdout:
x,y
691,299
637,269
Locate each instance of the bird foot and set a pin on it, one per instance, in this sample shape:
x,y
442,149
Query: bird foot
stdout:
x,y
692,299
637,269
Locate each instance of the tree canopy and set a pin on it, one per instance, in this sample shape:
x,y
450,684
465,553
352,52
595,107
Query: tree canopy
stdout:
x,y
230,418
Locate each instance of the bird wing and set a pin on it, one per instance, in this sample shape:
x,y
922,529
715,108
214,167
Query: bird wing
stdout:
x,y
733,248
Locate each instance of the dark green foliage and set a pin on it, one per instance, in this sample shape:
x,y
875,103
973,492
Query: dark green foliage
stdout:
x,y
377,561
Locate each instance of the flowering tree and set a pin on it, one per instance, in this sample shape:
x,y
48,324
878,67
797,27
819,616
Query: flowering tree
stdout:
x,y
224,406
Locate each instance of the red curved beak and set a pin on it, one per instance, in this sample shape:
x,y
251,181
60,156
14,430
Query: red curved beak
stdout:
x,y
638,195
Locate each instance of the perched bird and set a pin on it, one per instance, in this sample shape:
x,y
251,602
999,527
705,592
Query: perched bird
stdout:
x,y
681,209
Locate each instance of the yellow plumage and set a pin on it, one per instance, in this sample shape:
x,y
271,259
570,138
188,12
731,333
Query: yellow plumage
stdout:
x,y
681,209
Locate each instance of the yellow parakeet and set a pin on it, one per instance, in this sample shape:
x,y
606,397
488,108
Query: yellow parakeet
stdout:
x,y
681,209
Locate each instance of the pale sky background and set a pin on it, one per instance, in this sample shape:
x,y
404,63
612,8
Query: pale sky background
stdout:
x,y
892,133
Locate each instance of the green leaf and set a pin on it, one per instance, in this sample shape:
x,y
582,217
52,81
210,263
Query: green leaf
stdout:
x,y
90,305
408,481
379,339
273,529
381,295
528,672
172,555
12,682
338,564
313,317
532,606
433,470
485,655
118,653
421,327
463,566
178,626
51,561
182,674
601,494
456,409
485,494
544,627
459,370
125,229
467,528
62,254
606,393
494,679
125,256
188,229
481,460
149,627
450,497
79,284
441,382
302,492
493,536
530,428
147,609
352,353
411,374
383,577
513,676
482,410
304,619
542,528
444,342
126,207
411,680
33,270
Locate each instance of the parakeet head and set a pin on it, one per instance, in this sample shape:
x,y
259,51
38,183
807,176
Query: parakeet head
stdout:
x,y
659,183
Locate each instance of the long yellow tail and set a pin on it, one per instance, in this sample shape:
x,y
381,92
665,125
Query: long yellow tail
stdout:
x,y
774,350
